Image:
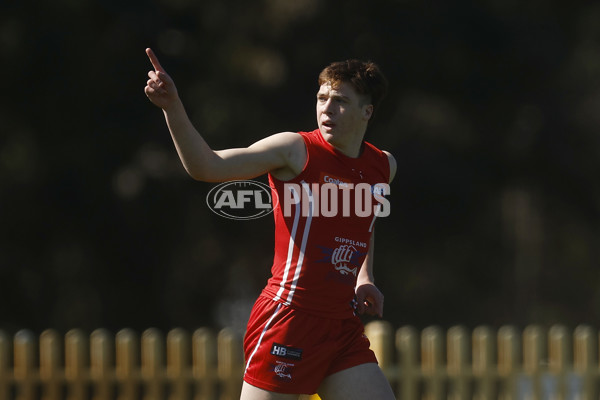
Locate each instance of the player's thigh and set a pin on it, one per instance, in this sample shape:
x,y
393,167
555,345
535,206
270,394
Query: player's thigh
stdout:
x,y
250,392
365,381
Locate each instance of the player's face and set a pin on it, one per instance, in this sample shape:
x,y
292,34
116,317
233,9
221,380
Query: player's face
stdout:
x,y
341,109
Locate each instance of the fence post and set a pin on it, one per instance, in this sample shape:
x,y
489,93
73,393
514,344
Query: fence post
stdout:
x,y
483,362
178,362
204,362
508,361
457,363
533,351
50,364
5,370
101,360
126,362
585,360
380,336
559,356
408,371
152,360
24,368
431,363
76,350
229,362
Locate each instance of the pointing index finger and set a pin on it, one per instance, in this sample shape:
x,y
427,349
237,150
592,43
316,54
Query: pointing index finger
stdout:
x,y
154,60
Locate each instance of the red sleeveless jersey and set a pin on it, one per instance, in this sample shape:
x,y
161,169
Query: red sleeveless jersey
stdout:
x,y
323,224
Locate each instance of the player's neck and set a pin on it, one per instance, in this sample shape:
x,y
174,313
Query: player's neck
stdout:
x,y
349,145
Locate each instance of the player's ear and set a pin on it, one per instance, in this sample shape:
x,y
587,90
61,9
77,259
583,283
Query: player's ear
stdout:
x,y
367,111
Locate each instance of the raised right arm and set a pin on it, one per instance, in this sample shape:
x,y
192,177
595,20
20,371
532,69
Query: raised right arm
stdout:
x,y
282,153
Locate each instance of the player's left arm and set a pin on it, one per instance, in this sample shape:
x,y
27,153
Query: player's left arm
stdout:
x,y
368,297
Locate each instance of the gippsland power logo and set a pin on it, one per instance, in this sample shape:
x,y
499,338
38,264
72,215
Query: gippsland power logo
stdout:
x,y
241,200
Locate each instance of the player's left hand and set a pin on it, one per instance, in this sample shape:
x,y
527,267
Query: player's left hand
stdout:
x,y
369,299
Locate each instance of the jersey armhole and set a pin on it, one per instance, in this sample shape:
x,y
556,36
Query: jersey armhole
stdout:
x,y
389,166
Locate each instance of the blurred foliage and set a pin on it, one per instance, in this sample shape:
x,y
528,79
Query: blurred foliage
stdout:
x,y
493,116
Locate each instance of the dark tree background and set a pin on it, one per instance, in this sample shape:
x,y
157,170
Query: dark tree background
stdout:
x,y
493,116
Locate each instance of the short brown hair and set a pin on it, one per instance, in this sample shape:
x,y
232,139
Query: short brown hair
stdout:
x,y
365,76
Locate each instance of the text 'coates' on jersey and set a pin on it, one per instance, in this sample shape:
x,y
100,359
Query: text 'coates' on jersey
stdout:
x,y
330,178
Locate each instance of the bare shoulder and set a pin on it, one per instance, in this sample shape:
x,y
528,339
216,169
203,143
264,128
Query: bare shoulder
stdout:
x,y
393,165
291,147
294,142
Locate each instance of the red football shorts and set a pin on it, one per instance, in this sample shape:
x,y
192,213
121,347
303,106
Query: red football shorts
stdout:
x,y
290,351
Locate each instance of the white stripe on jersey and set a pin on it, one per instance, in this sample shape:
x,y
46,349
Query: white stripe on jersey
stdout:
x,y
311,204
291,245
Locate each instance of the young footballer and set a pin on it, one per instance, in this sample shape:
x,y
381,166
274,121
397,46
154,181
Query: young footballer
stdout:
x,y
304,335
